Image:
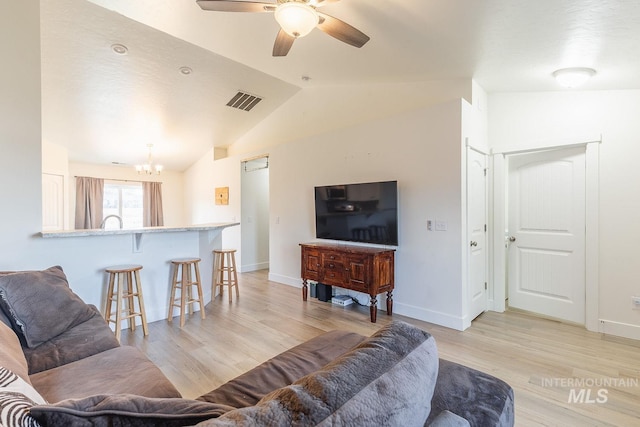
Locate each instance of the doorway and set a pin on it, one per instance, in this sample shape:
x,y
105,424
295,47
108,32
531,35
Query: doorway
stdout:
x,y
546,235
254,209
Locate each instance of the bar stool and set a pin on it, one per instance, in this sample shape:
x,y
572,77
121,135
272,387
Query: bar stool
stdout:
x,y
185,284
124,290
224,272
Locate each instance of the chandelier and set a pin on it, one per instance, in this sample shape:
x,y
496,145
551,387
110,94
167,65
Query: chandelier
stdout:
x,y
148,167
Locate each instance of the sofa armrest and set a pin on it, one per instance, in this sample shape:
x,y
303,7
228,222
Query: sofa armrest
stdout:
x,y
482,399
283,370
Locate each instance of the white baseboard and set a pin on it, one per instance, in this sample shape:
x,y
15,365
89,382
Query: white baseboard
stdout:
x,y
431,316
619,329
286,280
254,267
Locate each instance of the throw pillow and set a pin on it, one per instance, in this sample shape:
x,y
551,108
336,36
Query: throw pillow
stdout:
x,y
387,380
16,397
40,304
127,410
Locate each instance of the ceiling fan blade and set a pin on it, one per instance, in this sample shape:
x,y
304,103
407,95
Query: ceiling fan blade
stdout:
x,y
236,6
318,3
342,31
283,43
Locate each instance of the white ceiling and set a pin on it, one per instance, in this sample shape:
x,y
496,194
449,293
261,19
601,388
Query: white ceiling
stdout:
x,y
105,107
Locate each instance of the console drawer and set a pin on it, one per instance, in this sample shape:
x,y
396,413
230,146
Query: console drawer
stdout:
x,y
334,273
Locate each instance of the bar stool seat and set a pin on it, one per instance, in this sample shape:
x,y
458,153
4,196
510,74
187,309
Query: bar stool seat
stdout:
x,y
182,267
224,272
125,290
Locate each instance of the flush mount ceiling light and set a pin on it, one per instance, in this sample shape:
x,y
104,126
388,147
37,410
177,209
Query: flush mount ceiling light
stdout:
x,y
149,168
119,49
573,77
296,19
185,70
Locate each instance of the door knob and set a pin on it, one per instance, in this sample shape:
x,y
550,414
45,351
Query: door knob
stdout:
x,y
512,238
474,243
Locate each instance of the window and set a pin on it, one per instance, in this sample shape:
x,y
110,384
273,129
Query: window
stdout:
x,y
123,199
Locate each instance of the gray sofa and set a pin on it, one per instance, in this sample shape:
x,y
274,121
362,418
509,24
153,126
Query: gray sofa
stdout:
x,y
60,365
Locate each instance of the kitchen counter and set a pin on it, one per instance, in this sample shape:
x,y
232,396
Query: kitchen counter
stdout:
x,y
143,230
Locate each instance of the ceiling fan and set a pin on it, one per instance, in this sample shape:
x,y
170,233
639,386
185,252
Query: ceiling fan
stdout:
x,y
296,18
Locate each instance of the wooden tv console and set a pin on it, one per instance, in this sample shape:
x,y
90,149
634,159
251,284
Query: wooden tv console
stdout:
x,y
363,269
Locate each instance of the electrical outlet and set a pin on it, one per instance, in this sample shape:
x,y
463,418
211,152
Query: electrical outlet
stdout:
x,y
429,225
636,303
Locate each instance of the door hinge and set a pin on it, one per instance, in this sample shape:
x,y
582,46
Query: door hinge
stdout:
x,y
485,171
485,228
485,286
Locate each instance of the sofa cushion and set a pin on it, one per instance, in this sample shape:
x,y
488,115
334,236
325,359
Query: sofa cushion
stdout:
x,y
11,355
284,369
121,370
386,380
86,339
127,410
16,398
40,304
480,398
449,419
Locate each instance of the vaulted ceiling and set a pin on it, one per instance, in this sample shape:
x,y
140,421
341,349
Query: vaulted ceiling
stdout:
x,y
106,107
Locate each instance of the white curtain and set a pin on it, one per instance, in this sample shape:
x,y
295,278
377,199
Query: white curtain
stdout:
x,y
89,195
152,204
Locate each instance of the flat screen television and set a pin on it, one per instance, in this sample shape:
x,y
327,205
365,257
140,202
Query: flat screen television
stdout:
x,y
364,212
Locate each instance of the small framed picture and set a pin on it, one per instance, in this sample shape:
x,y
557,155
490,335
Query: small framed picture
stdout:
x,y
222,195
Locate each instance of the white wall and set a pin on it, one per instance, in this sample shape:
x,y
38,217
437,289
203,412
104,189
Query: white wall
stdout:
x,y
420,149
525,119
200,182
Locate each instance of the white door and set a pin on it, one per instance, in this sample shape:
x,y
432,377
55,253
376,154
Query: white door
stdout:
x,y
547,233
476,231
52,202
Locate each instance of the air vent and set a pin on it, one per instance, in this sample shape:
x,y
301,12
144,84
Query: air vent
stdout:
x,y
244,101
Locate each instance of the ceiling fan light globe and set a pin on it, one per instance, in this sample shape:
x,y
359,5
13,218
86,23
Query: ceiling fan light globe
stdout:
x,y
296,19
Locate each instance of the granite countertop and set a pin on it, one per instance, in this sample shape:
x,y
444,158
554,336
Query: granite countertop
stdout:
x,y
143,230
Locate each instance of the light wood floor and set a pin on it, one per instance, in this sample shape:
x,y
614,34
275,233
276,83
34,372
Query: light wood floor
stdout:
x,y
537,357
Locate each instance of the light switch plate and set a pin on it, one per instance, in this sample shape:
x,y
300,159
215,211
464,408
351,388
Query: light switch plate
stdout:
x,y
441,225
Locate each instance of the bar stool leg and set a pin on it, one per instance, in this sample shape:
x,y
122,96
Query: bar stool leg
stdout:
x,y
109,300
118,330
129,302
143,315
235,275
199,288
172,301
183,296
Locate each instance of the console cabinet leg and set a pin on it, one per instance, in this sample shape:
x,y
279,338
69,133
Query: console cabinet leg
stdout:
x,y
389,303
305,290
373,308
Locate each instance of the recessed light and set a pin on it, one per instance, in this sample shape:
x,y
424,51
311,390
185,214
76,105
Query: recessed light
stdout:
x,y
305,78
573,77
185,70
119,49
